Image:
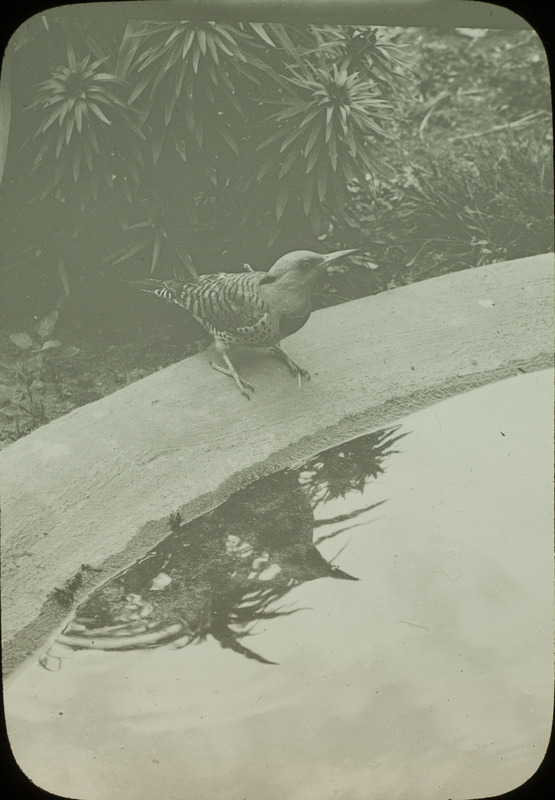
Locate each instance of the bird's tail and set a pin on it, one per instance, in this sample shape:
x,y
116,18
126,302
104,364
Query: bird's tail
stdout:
x,y
167,290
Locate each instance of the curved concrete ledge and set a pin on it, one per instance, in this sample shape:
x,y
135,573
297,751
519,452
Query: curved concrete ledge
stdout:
x,y
96,487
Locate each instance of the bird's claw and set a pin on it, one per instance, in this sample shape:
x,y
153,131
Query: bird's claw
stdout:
x,y
299,373
242,384
294,368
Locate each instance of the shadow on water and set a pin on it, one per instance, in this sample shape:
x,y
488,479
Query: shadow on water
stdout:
x,y
222,572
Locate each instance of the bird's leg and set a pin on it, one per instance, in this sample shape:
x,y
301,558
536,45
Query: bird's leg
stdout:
x,y
297,370
231,371
248,268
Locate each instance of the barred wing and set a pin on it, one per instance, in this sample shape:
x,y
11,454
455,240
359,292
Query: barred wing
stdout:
x,y
225,302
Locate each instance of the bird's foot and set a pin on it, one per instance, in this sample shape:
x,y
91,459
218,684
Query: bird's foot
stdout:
x,y
296,369
244,386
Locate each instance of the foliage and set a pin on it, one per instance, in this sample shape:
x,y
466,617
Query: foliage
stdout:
x,y
38,353
473,166
151,140
79,150
461,211
163,142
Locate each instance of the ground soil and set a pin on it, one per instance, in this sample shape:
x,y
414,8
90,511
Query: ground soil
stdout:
x,y
93,361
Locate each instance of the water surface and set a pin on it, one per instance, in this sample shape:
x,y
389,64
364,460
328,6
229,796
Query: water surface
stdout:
x,y
239,659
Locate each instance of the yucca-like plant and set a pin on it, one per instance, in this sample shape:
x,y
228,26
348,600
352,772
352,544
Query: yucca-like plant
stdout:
x,y
88,133
364,50
330,127
186,78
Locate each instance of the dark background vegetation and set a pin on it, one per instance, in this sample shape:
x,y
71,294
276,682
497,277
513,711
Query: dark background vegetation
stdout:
x,y
136,147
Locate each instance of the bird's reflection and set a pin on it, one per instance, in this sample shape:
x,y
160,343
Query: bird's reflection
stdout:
x,y
222,572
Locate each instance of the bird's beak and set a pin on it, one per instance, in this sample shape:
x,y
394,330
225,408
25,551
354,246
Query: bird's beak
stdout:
x,y
337,256
335,572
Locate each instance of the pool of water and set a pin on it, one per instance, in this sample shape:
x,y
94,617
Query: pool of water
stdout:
x,y
374,623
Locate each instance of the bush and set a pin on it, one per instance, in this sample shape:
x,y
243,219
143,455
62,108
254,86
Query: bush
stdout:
x,y
473,165
233,143
226,142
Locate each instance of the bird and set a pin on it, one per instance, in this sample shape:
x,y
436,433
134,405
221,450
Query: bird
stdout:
x,y
253,308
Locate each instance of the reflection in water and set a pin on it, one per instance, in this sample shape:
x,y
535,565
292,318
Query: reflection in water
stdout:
x,y
224,571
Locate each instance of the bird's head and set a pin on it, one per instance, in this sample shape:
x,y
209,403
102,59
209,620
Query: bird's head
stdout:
x,y
305,264
308,564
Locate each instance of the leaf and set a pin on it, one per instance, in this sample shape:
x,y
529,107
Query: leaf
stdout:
x,y
132,252
333,152
69,128
209,93
199,132
181,148
228,138
94,184
313,157
288,163
268,164
213,49
94,140
95,109
196,59
179,79
65,108
189,116
281,200
70,350
21,340
270,140
188,41
307,119
51,344
259,29
307,196
223,47
329,125
158,138
71,60
43,127
315,221
47,324
63,276
76,163
322,179
155,253
290,139
211,174
311,141
170,107
87,152
79,114
139,89
59,143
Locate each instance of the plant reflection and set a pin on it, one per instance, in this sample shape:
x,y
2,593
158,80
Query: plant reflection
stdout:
x,y
224,571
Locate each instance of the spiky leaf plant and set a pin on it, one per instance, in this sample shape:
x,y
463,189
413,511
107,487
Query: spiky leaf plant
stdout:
x,y
329,128
186,77
89,136
334,115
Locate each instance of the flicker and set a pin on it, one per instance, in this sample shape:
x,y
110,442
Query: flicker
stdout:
x,y
252,309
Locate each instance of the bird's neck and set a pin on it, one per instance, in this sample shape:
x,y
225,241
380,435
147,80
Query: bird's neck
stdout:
x,y
289,294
